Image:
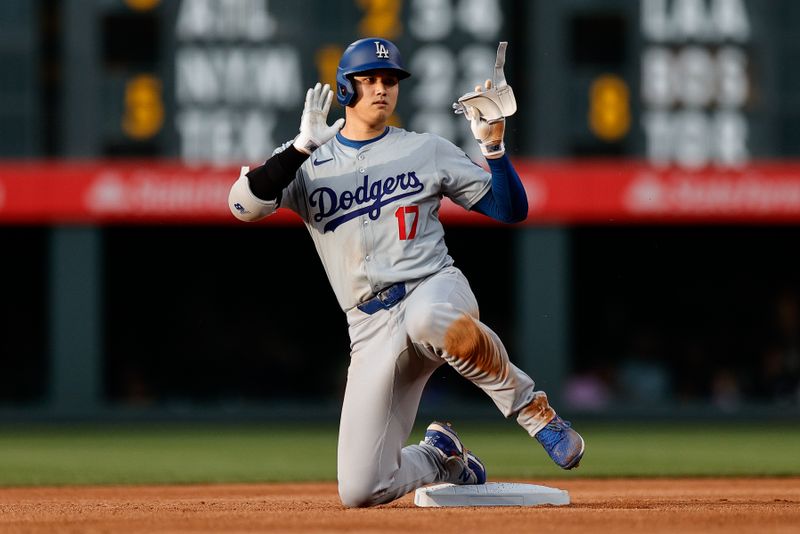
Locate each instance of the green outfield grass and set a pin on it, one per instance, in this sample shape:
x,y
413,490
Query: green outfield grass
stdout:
x,y
266,453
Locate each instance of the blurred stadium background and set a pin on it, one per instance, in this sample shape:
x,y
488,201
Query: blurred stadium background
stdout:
x,y
658,273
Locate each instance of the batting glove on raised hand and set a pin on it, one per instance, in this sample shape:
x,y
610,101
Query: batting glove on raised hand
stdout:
x,y
314,129
488,134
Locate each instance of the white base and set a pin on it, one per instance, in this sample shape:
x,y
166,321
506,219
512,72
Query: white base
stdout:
x,y
490,494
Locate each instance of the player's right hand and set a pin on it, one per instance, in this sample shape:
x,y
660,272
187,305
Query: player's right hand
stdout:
x,y
314,130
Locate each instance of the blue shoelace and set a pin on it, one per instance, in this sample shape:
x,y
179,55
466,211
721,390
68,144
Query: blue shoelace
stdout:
x,y
552,432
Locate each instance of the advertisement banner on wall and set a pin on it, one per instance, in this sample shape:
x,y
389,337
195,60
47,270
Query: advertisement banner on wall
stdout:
x,y
600,192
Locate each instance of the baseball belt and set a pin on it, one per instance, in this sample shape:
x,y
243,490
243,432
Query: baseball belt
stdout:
x,y
384,299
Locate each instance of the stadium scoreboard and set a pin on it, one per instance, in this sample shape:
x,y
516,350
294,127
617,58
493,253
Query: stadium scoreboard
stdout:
x,y
690,83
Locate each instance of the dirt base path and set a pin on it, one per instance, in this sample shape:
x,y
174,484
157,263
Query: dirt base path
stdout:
x,y
613,505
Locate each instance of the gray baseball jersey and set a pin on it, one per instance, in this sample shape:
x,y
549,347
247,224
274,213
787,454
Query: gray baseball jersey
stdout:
x,y
372,209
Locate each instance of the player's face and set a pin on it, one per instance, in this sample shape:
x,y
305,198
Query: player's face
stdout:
x,y
376,96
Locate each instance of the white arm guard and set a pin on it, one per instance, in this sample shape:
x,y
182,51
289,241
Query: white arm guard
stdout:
x,y
244,205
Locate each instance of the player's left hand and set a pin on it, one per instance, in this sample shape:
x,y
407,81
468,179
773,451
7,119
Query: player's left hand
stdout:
x,y
488,134
314,129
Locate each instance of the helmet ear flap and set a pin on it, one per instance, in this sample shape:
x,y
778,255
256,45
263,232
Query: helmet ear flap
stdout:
x,y
344,89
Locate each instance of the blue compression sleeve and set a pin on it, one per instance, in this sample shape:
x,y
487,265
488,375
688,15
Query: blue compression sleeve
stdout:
x,y
506,201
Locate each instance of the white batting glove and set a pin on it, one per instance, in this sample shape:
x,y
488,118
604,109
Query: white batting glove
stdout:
x,y
314,129
488,134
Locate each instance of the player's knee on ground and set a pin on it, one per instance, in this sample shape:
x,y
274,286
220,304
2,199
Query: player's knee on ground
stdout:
x,y
427,325
359,494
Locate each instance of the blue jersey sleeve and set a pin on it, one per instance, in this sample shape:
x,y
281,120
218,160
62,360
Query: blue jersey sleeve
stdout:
x,y
506,201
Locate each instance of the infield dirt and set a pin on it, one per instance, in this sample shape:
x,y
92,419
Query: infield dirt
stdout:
x,y
728,505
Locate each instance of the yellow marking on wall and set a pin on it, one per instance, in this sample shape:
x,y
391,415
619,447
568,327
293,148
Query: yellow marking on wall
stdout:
x,y
381,18
609,107
144,107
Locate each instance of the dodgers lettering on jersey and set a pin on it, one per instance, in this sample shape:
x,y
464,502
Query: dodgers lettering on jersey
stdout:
x,y
372,209
370,197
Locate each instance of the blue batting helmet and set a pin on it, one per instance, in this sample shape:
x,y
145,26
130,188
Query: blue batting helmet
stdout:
x,y
363,55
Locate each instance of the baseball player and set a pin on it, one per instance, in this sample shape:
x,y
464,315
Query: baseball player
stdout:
x,y
370,195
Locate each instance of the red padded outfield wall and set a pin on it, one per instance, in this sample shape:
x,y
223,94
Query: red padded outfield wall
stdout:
x,y
592,192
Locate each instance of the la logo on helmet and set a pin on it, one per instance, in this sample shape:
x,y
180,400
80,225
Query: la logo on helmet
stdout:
x,y
380,51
